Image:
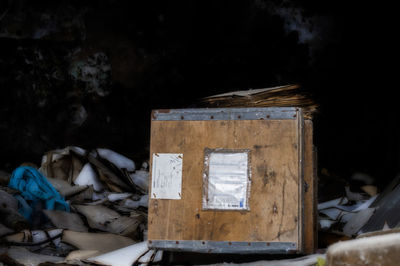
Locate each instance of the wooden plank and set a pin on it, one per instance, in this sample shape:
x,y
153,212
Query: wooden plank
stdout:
x,y
310,215
274,212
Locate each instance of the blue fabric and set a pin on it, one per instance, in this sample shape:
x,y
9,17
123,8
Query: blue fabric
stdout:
x,y
34,188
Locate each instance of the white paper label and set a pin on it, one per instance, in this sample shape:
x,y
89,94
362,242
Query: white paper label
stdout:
x,y
166,177
228,181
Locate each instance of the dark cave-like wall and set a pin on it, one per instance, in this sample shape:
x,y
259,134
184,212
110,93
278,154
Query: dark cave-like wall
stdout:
x,y
88,73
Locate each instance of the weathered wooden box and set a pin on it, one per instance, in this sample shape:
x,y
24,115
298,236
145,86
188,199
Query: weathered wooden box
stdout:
x,y
232,180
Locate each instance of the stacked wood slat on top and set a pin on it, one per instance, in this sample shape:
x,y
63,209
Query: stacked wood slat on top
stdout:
x,y
282,96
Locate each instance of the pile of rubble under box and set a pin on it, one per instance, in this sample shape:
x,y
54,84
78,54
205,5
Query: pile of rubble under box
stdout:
x,y
90,208
361,226
80,207
361,209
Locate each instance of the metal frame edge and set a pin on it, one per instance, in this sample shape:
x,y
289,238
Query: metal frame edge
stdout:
x,y
203,246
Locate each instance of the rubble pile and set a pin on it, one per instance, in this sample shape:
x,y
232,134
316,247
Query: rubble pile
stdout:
x,y
361,209
79,207
348,214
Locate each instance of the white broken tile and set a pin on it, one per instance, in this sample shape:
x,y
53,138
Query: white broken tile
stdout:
x,y
118,196
134,204
122,257
117,159
326,223
89,177
141,179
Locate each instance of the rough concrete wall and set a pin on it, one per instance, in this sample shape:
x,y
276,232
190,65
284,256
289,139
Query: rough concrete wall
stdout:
x,y
88,73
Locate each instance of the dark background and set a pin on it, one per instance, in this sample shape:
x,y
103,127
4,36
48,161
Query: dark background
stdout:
x,y
88,73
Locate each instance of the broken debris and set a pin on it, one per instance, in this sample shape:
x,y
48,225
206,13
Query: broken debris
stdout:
x,y
122,257
66,220
22,256
103,242
108,210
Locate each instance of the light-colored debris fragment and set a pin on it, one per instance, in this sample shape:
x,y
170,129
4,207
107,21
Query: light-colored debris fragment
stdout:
x,y
134,204
105,219
326,223
66,220
357,221
385,227
145,234
83,196
62,163
375,250
332,213
118,196
159,255
117,159
81,254
108,177
122,257
99,196
27,258
98,217
89,177
332,203
126,226
19,237
65,188
146,258
40,236
141,179
362,205
36,236
103,242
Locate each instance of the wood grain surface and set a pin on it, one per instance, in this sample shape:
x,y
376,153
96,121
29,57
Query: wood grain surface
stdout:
x,y
274,201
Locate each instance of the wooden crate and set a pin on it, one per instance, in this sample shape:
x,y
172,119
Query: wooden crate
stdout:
x,y
280,217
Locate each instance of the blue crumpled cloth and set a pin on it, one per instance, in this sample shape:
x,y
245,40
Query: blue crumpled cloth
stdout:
x,y
35,188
